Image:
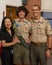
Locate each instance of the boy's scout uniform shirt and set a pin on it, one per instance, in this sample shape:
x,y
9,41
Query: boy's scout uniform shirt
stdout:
x,y
23,28
40,30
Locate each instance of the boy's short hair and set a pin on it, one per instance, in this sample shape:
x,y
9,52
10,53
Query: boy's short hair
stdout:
x,y
23,9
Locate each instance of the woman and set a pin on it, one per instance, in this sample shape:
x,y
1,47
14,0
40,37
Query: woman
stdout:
x,y
7,41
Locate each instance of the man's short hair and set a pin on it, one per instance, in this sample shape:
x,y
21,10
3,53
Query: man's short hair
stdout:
x,y
37,6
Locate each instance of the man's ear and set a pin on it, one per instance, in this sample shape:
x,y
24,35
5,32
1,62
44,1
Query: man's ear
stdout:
x,y
40,11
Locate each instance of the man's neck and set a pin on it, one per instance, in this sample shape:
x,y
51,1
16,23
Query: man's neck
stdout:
x,y
37,18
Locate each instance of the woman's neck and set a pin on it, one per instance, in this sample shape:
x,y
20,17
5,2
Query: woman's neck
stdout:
x,y
9,31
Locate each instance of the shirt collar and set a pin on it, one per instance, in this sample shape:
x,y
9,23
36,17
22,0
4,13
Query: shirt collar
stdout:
x,y
40,20
22,21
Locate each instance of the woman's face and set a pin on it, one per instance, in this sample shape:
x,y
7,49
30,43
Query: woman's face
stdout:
x,y
8,23
21,14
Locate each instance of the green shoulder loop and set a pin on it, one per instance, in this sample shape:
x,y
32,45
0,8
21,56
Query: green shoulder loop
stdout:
x,y
31,19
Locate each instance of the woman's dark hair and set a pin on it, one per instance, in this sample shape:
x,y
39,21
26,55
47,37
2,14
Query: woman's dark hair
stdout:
x,y
3,24
23,9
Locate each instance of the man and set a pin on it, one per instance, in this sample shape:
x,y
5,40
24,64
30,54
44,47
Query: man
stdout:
x,y
40,38
22,28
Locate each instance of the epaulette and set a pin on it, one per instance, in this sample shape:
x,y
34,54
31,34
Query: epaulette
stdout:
x,y
45,19
31,19
15,19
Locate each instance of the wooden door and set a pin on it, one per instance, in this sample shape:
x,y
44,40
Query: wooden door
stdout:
x,y
11,11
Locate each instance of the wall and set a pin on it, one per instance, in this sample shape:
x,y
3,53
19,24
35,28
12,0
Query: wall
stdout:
x,y
30,4
2,8
14,2
46,5
3,4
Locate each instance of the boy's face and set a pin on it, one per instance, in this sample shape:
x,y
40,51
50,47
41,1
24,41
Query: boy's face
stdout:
x,y
21,14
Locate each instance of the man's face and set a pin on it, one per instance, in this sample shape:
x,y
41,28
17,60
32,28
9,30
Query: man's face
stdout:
x,y
36,11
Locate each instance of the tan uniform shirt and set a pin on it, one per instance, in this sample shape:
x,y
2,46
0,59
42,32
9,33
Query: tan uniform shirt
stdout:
x,y
40,30
23,28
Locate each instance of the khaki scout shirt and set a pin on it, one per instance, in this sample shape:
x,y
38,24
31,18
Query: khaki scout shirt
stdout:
x,y
40,30
23,28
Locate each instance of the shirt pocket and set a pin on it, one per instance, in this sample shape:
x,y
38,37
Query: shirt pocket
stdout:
x,y
26,28
41,30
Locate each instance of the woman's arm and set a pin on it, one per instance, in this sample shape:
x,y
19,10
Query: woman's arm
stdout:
x,y
4,44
